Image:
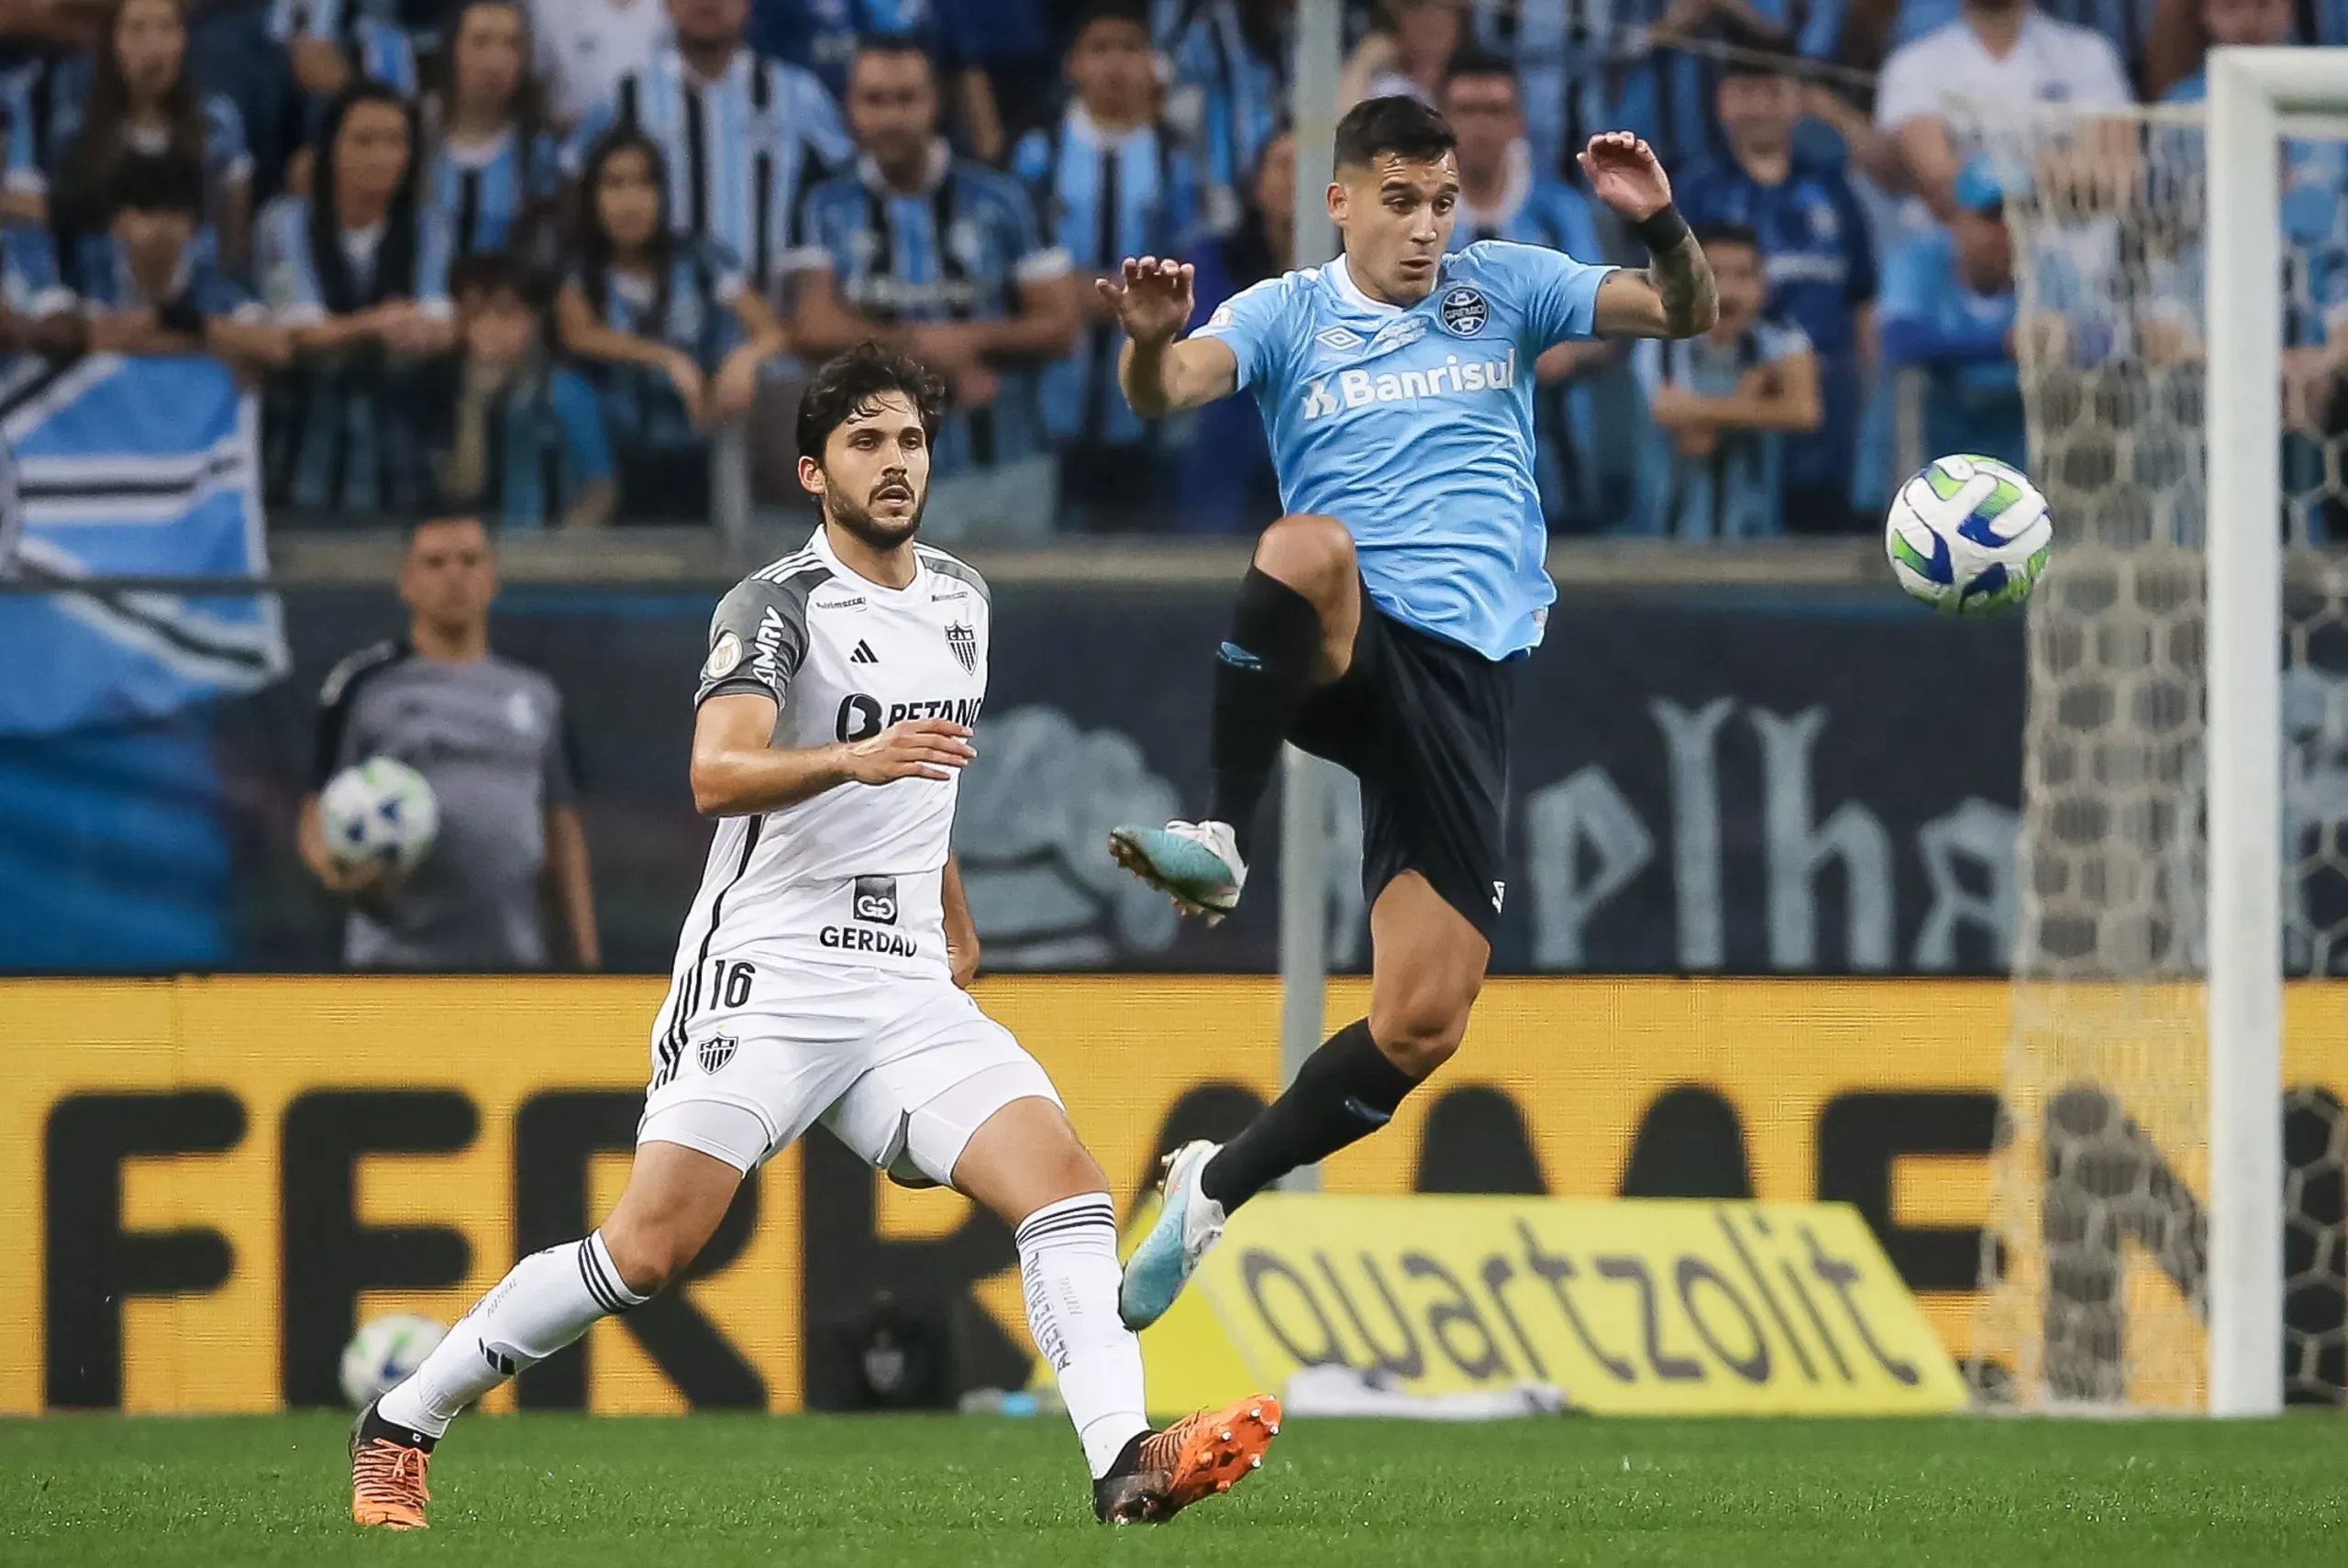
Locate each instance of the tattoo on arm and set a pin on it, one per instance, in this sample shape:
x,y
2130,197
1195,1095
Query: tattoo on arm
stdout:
x,y
1683,279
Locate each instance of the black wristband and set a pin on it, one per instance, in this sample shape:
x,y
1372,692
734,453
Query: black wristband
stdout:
x,y
1661,231
180,316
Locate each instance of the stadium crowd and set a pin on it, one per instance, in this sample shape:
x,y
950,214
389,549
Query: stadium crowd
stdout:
x,y
535,254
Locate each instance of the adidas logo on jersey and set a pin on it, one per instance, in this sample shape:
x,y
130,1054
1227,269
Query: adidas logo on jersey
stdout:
x,y
1453,378
863,654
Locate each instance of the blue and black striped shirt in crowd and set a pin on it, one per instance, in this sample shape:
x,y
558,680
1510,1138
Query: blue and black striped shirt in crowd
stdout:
x,y
691,310
343,430
547,445
741,149
1234,91
471,195
1104,197
366,31
47,101
958,249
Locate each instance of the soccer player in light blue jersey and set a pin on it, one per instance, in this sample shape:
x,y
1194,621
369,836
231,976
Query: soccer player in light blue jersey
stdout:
x,y
1381,621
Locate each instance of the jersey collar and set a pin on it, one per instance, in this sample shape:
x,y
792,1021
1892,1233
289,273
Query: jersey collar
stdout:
x,y
941,159
1341,279
880,593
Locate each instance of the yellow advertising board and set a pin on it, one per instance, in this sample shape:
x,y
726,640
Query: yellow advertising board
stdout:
x,y
205,1182
1631,1307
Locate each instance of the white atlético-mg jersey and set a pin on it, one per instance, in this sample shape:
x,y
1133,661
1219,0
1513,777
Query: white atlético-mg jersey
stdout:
x,y
853,876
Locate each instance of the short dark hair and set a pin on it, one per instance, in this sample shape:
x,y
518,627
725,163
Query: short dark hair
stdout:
x,y
1748,52
1478,62
1711,233
485,272
849,383
893,43
1135,12
156,183
1404,127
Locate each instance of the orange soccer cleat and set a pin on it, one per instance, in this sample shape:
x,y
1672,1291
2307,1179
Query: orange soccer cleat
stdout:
x,y
1196,1457
387,1466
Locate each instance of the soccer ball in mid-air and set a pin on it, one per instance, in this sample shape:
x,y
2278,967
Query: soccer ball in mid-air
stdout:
x,y
380,810
382,1353
1968,536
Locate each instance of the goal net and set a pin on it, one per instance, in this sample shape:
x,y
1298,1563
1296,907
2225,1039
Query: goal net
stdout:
x,y
2111,1246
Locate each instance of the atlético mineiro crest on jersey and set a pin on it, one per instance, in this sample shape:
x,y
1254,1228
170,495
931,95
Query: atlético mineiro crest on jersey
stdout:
x,y
964,641
1463,312
716,1051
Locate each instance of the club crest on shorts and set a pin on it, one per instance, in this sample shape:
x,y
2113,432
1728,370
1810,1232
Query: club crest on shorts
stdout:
x,y
1463,312
716,1051
964,641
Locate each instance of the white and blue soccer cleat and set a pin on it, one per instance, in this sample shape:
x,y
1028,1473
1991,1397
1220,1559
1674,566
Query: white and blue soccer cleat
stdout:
x,y
1187,1224
1195,864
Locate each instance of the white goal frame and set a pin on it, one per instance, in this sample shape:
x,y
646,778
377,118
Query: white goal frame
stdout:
x,y
2250,89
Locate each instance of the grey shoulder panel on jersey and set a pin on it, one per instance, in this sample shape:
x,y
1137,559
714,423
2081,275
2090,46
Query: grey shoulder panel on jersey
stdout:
x,y
343,678
938,561
758,637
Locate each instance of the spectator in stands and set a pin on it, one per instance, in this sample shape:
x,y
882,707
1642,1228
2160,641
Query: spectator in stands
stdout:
x,y
1407,54
1227,485
1820,261
494,741
334,43
1500,197
741,138
136,94
490,167
1230,92
673,333
1112,181
151,282
527,440
2230,24
1722,404
943,257
1006,64
2184,31
1999,56
584,46
340,268
961,36
1948,311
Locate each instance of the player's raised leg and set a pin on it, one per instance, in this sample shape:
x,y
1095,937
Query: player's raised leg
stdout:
x,y
1427,965
1293,629
674,1199
1024,1161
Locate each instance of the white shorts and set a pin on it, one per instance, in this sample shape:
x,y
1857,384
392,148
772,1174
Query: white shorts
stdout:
x,y
902,1071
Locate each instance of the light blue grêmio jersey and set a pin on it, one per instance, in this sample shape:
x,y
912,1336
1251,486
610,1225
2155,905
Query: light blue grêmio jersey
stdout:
x,y
1414,427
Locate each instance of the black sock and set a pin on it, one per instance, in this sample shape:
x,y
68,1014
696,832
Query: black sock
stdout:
x,y
1345,1090
1262,675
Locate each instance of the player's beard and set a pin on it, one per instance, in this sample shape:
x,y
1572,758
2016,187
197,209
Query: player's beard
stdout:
x,y
857,519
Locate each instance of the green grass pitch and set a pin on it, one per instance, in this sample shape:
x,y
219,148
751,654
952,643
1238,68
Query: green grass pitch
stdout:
x,y
714,1492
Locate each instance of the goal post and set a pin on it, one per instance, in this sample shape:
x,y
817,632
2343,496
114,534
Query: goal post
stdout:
x,y
2169,1222
2250,89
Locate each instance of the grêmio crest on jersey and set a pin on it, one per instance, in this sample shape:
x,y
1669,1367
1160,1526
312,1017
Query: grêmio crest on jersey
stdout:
x,y
1462,311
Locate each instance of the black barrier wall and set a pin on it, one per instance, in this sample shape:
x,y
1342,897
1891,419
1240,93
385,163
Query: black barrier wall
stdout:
x,y
1785,784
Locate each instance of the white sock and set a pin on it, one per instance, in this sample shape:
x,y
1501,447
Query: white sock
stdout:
x,y
549,1300
1067,1259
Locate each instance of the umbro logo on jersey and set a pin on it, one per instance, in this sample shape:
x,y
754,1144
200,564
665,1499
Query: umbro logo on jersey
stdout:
x,y
1454,377
863,654
1345,340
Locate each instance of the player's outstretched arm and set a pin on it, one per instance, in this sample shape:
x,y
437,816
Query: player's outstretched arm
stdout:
x,y
1675,297
1153,301
738,772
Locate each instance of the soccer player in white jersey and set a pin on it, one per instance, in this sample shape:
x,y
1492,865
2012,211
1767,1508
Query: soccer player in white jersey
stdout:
x,y
820,977
1382,622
